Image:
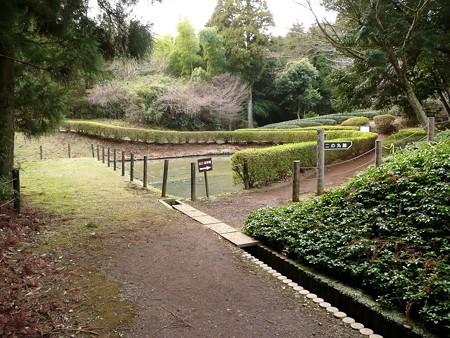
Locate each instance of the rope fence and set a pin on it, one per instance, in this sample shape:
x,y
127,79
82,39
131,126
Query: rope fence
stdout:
x,y
183,180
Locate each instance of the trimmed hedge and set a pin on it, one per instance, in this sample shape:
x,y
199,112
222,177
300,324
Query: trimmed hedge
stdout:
x,y
387,232
385,124
169,136
356,121
330,119
275,163
400,139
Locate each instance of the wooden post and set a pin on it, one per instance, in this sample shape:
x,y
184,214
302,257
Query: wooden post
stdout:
x,y
103,154
123,163
431,129
378,153
144,179
115,159
16,189
193,195
131,167
40,151
92,149
98,152
165,177
296,183
246,176
68,150
109,157
206,184
320,161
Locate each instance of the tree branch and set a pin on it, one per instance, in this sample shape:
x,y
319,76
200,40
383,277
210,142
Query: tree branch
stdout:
x,y
24,62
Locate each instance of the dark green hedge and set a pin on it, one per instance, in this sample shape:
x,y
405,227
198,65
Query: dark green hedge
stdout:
x,y
399,140
274,163
387,231
169,136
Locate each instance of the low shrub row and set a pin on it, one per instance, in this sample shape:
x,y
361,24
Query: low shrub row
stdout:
x,y
331,119
274,163
387,231
403,137
169,136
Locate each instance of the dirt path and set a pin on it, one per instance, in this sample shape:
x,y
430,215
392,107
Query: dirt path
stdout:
x,y
234,209
190,283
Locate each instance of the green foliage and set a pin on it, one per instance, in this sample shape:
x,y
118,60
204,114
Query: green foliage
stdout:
x,y
213,50
356,121
243,25
443,135
169,136
402,138
385,124
275,163
40,104
296,85
386,231
325,120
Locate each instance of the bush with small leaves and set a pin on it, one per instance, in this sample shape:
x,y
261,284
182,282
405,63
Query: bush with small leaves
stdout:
x,y
385,124
356,121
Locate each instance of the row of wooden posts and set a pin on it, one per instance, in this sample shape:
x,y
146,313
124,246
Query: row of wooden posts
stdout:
x,y
296,169
108,160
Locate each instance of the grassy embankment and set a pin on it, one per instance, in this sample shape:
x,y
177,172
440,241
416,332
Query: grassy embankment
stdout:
x,y
94,208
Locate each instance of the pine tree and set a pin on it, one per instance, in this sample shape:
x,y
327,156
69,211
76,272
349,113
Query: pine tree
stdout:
x,y
244,26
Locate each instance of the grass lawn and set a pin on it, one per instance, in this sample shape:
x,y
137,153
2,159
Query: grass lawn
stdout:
x,y
92,207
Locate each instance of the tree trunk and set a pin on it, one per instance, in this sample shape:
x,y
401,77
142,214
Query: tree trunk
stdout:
x,y
250,107
415,103
445,104
6,113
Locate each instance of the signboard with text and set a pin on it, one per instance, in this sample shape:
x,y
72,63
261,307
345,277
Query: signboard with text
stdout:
x,y
338,145
205,164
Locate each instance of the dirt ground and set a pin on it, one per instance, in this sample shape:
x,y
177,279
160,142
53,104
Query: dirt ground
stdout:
x,y
234,209
188,282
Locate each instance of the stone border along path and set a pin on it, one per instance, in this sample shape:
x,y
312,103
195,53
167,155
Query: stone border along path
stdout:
x,y
241,240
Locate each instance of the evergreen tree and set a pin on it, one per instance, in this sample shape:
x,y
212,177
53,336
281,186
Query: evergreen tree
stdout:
x,y
44,47
213,50
244,26
184,57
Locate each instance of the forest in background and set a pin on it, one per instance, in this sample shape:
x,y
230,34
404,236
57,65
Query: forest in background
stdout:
x,y
59,62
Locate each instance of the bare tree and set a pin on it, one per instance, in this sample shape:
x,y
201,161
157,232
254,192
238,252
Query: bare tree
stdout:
x,y
224,97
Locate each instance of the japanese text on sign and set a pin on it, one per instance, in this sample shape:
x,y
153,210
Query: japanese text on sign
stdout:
x,y
342,145
204,164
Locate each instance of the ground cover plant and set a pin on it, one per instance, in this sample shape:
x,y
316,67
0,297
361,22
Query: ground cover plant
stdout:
x,y
322,120
403,137
386,231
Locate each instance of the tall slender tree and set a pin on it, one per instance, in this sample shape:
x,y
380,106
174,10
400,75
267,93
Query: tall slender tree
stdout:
x,y
213,50
185,57
44,46
244,26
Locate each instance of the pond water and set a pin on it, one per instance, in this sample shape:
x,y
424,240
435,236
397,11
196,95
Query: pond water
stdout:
x,y
179,182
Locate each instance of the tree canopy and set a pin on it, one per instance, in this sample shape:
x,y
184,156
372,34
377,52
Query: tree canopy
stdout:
x,y
388,41
244,26
45,47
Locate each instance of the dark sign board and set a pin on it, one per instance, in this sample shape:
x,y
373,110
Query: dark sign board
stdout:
x,y
205,164
338,145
